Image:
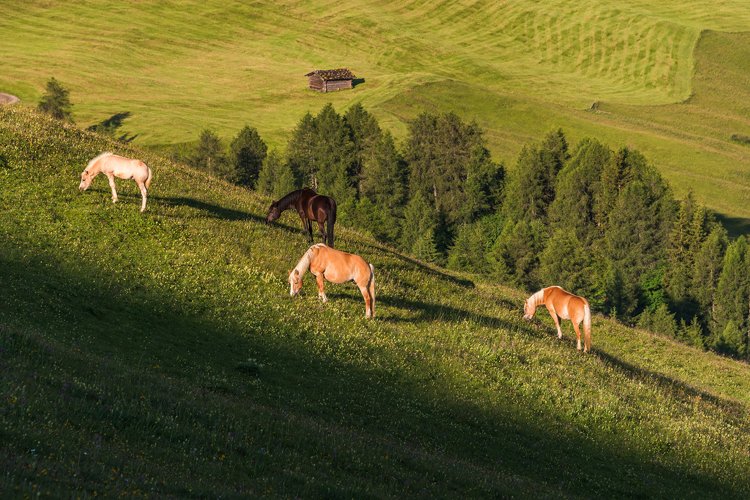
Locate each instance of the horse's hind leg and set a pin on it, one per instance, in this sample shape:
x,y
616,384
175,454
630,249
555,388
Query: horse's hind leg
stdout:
x,y
322,228
578,334
368,300
144,195
111,179
321,286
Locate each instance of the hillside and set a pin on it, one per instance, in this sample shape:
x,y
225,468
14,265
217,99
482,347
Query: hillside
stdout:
x,y
661,73
161,354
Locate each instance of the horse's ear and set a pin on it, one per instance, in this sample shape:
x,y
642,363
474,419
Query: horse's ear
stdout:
x,y
296,273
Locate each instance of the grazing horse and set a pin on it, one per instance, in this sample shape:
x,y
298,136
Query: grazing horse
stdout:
x,y
113,166
566,306
311,207
337,267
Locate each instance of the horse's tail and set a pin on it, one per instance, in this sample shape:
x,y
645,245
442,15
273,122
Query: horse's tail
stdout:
x,y
371,289
150,176
587,327
331,222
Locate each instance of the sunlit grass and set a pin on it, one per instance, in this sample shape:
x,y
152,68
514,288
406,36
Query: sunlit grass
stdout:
x,y
519,68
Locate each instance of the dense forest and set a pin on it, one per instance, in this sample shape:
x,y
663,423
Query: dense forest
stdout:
x,y
602,223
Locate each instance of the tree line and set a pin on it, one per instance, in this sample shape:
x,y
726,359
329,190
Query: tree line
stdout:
x,y
601,223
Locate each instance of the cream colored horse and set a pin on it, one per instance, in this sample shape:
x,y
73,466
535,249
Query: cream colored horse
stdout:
x,y
566,306
113,166
337,267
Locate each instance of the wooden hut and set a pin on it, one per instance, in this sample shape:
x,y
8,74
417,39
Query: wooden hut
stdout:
x,y
327,80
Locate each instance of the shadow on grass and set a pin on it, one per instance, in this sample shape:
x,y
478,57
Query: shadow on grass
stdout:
x,y
312,403
462,282
734,225
210,209
684,390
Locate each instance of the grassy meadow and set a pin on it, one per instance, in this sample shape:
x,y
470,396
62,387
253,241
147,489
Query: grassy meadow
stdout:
x,y
160,354
669,79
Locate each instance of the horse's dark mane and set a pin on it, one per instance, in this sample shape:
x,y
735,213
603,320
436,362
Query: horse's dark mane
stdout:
x,y
288,199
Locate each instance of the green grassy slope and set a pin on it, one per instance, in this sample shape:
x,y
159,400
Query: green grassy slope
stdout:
x,y
519,68
161,353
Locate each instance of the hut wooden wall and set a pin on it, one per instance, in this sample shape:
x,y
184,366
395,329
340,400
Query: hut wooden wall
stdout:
x,y
337,85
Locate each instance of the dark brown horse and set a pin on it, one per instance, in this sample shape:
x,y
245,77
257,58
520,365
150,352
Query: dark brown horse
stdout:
x,y
311,207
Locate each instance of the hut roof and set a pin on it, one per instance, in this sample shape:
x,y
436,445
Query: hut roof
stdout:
x,y
333,74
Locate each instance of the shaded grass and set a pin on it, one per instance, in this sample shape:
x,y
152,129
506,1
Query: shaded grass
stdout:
x,y
121,335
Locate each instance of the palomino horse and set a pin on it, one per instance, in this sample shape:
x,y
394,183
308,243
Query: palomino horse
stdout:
x,y
337,267
311,207
113,166
566,306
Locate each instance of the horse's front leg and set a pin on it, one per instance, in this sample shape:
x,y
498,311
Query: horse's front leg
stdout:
x,y
144,195
321,285
553,313
111,179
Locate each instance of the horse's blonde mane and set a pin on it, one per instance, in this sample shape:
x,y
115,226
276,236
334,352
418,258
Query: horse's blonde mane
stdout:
x,y
537,298
97,158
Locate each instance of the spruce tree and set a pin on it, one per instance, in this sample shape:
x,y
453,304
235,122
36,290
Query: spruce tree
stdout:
x,y
364,132
706,271
209,156
384,183
731,299
419,218
334,155
247,152
301,151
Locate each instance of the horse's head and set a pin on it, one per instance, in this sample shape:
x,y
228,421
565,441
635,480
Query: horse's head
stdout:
x,y
528,310
295,282
273,212
86,179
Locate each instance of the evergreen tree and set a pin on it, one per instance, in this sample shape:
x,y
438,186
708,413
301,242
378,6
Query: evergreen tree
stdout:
x,y
301,151
450,165
420,217
276,177
576,189
384,185
566,262
209,156
731,299
706,272
334,155
247,152
425,248
515,254
364,132
56,101
687,236
659,321
472,243
532,187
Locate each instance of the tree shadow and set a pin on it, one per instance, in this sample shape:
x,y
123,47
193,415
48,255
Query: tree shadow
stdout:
x,y
214,211
677,387
429,312
462,282
735,226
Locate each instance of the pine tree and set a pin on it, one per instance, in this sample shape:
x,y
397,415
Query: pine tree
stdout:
x,y
286,180
56,101
515,254
566,262
247,152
